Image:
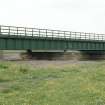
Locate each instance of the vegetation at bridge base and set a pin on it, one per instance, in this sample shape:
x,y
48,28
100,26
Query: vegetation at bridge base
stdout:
x,y
74,84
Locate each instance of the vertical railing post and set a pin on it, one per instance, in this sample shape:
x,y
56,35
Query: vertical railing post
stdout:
x,y
58,35
75,35
102,37
70,35
17,31
39,33
9,31
80,35
94,37
25,32
64,35
0,30
32,32
46,33
89,36
52,34
85,35
98,37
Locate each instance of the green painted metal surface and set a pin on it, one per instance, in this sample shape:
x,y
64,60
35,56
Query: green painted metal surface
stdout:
x,y
18,43
18,38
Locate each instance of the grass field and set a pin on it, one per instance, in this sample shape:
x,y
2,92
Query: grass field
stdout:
x,y
75,84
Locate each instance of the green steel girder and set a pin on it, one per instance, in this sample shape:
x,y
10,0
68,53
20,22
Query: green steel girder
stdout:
x,y
35,43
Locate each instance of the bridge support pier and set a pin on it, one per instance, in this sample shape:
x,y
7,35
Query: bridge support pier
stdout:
x,y
29,51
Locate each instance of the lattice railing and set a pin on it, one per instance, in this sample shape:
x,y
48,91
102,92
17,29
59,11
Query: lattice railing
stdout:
x,y
35,32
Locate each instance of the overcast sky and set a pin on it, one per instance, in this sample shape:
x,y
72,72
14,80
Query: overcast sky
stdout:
x,y
70,15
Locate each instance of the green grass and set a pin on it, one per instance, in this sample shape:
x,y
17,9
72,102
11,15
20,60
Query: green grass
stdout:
x,y
76,84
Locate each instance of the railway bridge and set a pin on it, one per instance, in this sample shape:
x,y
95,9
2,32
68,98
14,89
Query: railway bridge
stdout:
x,y
24,38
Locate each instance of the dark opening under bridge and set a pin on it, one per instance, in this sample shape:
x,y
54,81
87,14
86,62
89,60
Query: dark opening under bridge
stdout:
x,y
22,38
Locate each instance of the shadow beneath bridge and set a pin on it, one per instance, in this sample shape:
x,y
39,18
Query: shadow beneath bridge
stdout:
x,y
93,55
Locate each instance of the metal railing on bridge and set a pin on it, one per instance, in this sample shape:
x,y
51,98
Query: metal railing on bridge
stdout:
x,y
47,33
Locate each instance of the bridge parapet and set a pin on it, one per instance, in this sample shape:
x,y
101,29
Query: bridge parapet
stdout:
x,y
47,33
